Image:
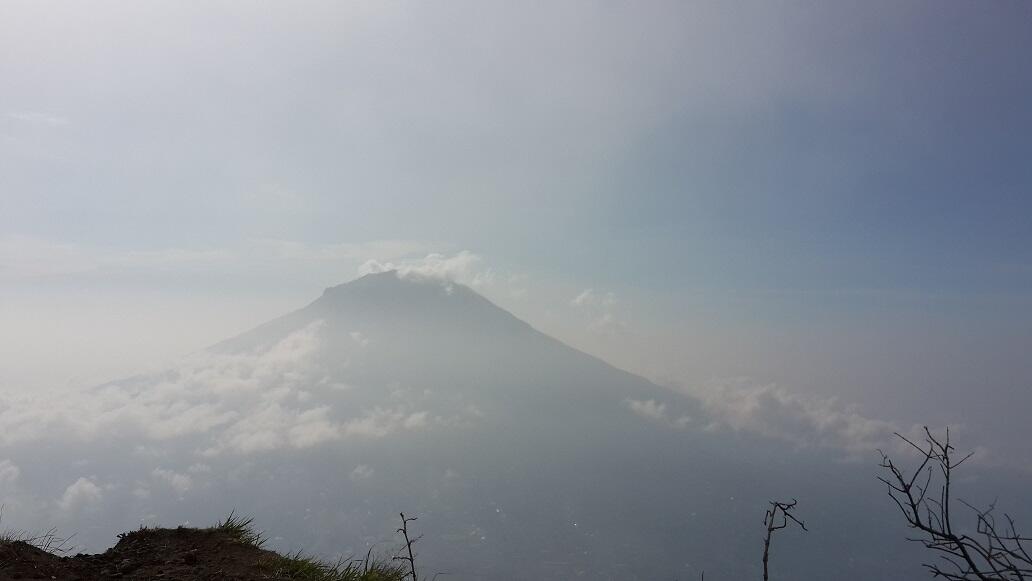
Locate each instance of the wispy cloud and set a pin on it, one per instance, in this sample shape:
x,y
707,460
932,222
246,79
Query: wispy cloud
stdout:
x,y
463,267
803,421
601,310
657,412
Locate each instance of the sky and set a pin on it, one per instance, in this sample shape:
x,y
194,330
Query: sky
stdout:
x,y
826,199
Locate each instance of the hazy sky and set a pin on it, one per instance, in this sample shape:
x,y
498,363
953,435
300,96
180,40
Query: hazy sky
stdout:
x,y
832,198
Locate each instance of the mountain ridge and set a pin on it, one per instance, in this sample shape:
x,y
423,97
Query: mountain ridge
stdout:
x,y
386,296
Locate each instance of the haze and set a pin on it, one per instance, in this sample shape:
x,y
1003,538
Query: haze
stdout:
x,y
809,223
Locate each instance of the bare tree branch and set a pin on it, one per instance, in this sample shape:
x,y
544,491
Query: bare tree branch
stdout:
x,y
777,517
925,498
410,558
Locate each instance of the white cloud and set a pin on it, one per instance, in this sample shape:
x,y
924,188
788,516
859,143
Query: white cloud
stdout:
x,y
207,392
803,421
361,472
9,472
590,298
81,494
312,428
600,309
181,483
648,409
240,403
657,412
415,421
379,422
463,267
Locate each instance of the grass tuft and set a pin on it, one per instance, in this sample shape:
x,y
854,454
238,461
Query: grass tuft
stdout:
x,y
306,568
241,529
48,541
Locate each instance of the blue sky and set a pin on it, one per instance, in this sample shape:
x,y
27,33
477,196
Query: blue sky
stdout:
x,y
796,192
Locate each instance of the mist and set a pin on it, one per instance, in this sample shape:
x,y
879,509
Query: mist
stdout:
x,y
583,286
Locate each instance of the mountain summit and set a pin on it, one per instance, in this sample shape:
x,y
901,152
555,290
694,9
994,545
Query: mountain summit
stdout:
x,y
390,305
433,334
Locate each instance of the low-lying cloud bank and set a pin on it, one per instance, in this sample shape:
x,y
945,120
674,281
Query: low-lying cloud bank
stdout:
x,y
178,429
803,421
235,403
806,422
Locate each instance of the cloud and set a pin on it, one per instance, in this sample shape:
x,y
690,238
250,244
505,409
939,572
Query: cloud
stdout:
x,y
657,412
463,267
803,421
589,298
275,427
379,422
82,494
361,472
224,403
312,427
9,472
204,392
360,338
181,483
600,308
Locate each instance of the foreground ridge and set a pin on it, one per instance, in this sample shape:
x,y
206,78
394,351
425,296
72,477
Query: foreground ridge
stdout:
x,y
231,550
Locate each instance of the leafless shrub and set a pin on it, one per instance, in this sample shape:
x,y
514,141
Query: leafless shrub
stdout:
x,y
994,551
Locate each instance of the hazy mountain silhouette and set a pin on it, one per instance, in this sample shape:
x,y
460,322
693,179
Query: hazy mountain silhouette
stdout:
x,y
383,330
523,457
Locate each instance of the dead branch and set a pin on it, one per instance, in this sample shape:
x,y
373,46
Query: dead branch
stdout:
x,y
994,551
410,557
777,517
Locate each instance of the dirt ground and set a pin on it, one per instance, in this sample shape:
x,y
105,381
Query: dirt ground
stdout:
x,y
168,554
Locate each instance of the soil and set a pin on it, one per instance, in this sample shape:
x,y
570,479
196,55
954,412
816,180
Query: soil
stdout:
x,y
180,554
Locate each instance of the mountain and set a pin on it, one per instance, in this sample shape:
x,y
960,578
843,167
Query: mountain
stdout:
x,y
523,457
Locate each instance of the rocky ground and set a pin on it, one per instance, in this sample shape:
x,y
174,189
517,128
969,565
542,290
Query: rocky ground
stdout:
x,y
180,554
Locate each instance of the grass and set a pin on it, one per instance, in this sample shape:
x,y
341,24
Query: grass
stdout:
x,y
241,529
300,566
307,568
48,540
